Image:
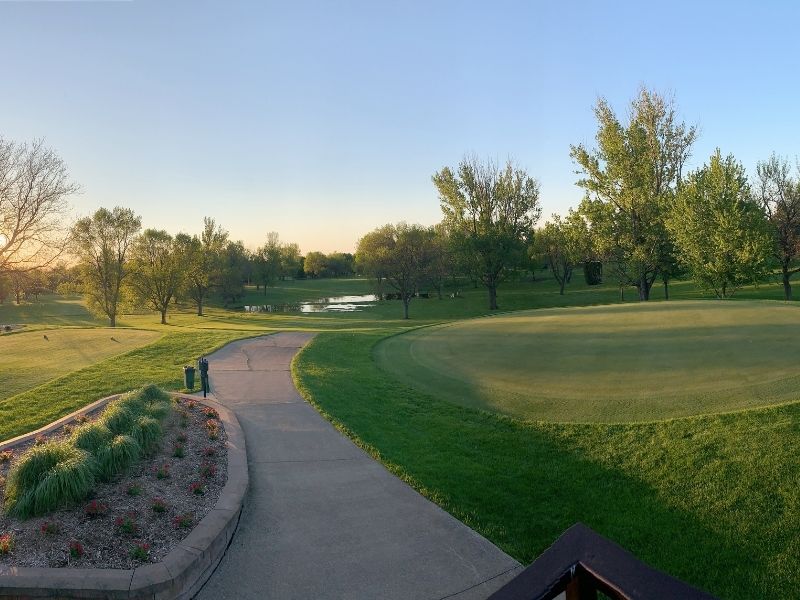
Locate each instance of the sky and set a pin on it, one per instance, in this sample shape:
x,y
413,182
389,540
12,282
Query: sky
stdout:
x,y
323,120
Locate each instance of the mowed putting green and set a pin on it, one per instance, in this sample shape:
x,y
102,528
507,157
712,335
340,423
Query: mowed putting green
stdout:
x,y
32,358
622,363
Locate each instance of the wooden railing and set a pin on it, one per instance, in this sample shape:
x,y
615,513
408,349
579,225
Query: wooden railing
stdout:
x,y
582,563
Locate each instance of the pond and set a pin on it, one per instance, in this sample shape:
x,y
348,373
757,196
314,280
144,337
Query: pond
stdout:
x,y
320,305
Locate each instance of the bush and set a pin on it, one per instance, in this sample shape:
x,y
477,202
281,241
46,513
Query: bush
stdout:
x,y
120,454
147,433
593,272
91,437
118,417
47,477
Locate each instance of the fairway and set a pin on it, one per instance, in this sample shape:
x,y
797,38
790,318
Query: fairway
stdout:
x,y
32,358
621,363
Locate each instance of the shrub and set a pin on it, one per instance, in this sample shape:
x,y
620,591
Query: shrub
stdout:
x,y
153,393
68,429
209,451
181,437
50,528
118,418
147,433
134,489
197,488
91,436
68,482
6,456
6,543
159,505
140,551
211,413
39,439
127,524
114,458
208,470
178,451
183,521
191,404
75,549
95,509
46,477
162,471
81,419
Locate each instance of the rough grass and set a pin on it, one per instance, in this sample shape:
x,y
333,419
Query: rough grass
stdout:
x,y
713,500
608,363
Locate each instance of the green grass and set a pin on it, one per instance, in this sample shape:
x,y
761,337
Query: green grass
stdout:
x,y
713,500
160,363
30,358
616,364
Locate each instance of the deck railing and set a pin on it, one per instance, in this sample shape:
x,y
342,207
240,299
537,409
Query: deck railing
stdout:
x,y
582,563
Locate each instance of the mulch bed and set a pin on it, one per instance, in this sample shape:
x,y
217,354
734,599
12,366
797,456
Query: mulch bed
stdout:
x,y
109,539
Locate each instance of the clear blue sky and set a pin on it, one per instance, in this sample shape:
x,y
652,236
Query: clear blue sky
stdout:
x,y
322,120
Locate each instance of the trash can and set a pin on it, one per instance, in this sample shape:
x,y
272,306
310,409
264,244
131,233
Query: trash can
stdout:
x,y
188,377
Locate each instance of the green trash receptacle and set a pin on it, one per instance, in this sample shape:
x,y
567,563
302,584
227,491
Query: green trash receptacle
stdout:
x,y
188,377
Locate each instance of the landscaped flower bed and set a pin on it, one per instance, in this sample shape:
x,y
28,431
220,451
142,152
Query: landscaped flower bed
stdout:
x,y
126,495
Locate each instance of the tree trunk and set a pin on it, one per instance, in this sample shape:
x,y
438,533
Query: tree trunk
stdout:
x,y
164,317
622,293
113,320
406,301
563,283
199,308
666,288
644,288
492,296
787,287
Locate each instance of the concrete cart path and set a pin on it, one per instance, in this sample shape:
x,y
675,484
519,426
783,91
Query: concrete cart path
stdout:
x,y
322,519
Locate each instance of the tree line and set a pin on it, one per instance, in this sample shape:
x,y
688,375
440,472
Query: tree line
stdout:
x,y
642,220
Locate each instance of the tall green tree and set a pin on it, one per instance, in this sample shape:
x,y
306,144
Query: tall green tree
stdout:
x,y
203,258
778,193
564,243
489,213
290,260
157,269
102,244
403,254
267,260
719,229
315,264
631,179
372,258
233,272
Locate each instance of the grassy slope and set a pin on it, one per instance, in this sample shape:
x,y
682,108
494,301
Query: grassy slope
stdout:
x,y
616,364
31,358
713,500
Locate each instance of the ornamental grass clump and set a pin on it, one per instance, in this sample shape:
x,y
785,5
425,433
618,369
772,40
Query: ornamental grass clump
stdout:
x,y
52,474
48,476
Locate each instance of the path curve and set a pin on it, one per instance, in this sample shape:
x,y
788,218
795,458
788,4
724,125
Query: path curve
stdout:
x,y
322,519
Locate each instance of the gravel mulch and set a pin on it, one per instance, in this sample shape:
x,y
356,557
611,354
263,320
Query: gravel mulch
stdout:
x,y
126,518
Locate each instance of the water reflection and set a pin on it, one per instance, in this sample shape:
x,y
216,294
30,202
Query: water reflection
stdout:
x,y
332,304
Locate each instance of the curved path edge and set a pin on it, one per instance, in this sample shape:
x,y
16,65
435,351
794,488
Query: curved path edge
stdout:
x,y
183,570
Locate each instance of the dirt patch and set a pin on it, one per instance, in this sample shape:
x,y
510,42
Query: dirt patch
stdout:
x,y
118,526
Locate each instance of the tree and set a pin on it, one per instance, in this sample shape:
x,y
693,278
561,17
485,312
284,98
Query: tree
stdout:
x,y
314,264
34,187
102,243
267,260
563,243
720,231
157,270
779,196
203,261
489,213
290,260
232,272
372,256
631,179
402,254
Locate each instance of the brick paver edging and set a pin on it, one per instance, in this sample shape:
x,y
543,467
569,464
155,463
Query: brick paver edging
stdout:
x,y
182,572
